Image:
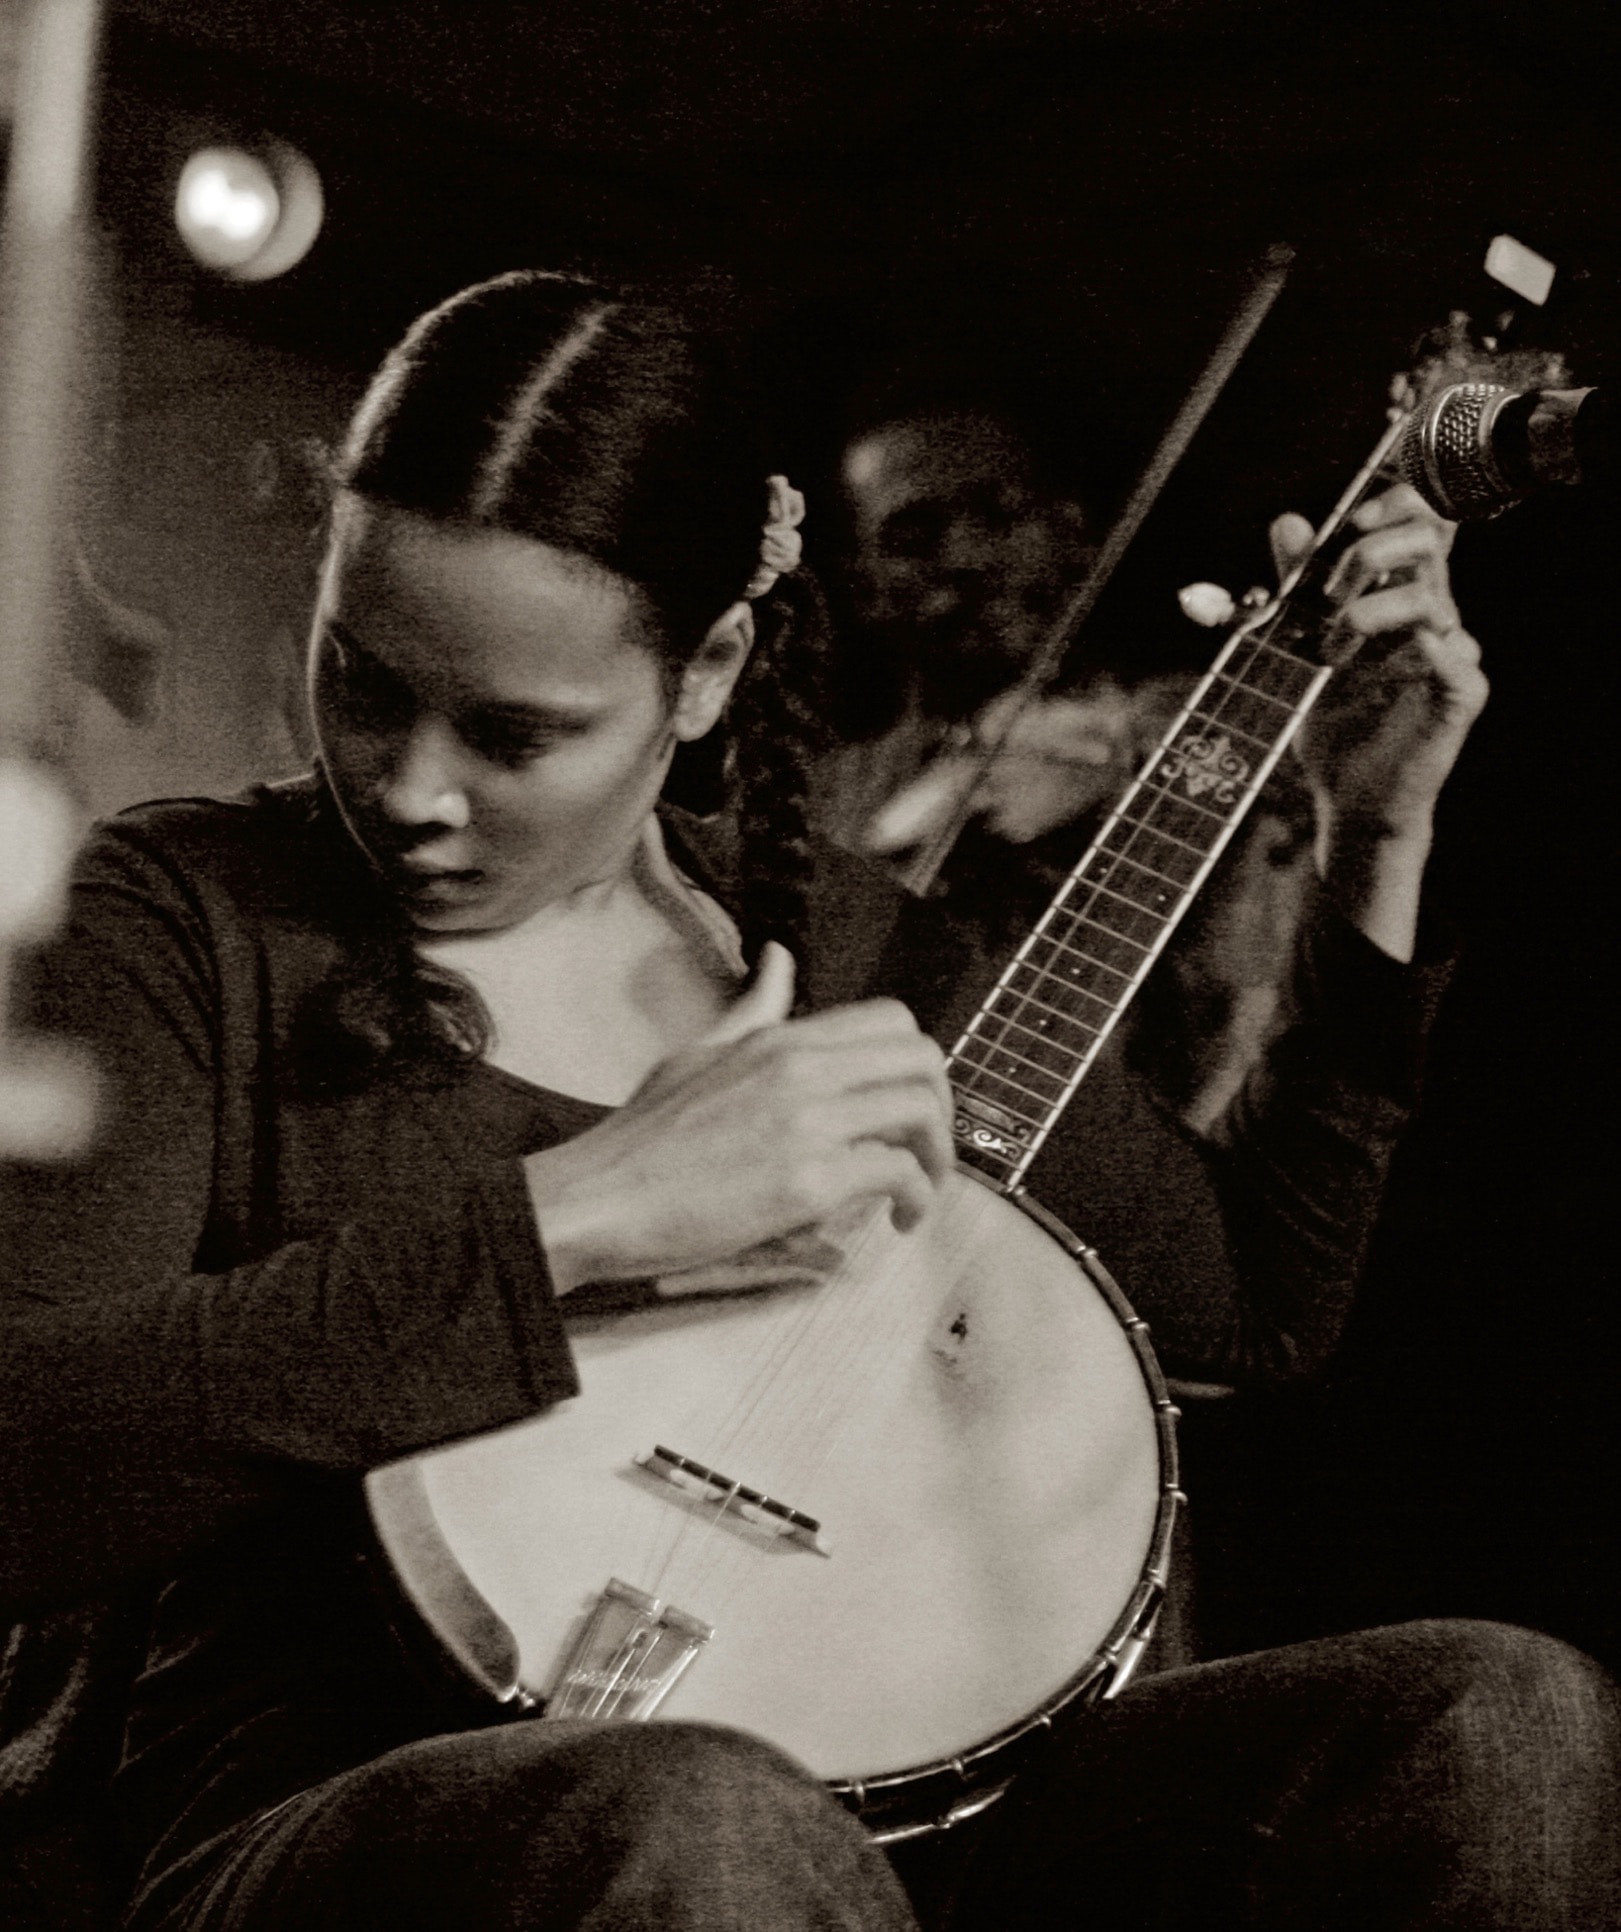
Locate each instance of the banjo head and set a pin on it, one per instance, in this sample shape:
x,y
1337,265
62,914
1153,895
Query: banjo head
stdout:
x,y
894,1523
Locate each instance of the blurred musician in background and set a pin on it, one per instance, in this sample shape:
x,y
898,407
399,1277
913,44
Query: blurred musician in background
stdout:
x,y
960,565
400,1056
962,558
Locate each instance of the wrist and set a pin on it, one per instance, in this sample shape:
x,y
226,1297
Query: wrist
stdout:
x,y
1373,870
568,1218
1358,838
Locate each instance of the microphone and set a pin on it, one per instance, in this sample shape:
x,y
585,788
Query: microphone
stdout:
x,y
1479,447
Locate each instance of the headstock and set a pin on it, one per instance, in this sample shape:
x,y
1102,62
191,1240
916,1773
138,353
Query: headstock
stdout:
x,y
1458,351
1493,350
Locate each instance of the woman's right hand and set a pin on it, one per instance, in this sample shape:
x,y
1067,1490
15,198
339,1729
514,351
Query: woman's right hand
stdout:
x,y
765,1127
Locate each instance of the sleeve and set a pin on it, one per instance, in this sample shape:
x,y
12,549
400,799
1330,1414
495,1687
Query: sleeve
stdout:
x,y
1301,1158
1243,1251
148,1400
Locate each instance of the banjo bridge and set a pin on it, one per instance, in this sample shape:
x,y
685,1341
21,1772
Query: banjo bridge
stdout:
x,y
627,1658
735,1498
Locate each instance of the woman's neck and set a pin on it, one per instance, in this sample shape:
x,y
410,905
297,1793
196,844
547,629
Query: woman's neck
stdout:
x,y
588,993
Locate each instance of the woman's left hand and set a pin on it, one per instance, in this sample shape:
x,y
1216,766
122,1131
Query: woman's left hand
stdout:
x,y
1380,744
1384,737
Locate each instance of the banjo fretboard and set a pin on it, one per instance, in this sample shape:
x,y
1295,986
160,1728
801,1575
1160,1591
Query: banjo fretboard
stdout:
x,y
1026,1050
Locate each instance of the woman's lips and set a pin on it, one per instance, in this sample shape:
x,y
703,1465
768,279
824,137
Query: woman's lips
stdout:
x,y
416,879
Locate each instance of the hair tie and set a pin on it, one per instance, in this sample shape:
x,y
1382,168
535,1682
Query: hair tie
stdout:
x,y
781,546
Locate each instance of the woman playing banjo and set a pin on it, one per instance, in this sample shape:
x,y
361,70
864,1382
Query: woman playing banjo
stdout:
x,y
399,1058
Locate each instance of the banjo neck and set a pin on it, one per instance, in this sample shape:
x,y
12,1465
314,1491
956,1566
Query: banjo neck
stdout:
x,y
1020,1059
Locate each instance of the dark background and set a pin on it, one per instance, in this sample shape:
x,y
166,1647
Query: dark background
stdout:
x,y
1052,207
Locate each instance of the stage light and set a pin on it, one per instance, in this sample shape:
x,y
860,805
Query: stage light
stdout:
x,y
249,215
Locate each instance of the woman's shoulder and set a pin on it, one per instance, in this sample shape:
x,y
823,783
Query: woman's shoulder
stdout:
x,y
269,846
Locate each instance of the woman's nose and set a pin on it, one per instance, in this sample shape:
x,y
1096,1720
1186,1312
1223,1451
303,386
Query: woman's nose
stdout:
x,y
423,783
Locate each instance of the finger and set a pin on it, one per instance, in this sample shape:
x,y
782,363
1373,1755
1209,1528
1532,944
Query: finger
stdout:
x,y
1400,607
768,1000
873,1169
877,1059
750,1034
1406,547
996,714
1338,645
1445,664
815,1074
1453,650
1290,536
737,1278
1400,504
1453,660
860,1020
919,809
911,1117
1067,737
1383,668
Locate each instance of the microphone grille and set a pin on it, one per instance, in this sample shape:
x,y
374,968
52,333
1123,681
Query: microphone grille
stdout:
x,y
1446,452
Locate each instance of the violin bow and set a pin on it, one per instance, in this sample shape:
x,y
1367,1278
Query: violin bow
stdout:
x,y
1265,287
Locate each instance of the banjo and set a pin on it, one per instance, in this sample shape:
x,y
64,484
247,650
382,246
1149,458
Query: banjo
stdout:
x,y
899,1521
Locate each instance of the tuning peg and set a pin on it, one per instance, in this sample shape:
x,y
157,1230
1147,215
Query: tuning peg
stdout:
x,y
1207,605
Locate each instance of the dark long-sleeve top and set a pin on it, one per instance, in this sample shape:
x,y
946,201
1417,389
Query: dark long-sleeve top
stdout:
x,y
258,1286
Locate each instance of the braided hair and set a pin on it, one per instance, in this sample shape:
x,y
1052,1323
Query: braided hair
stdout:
x,y
550,408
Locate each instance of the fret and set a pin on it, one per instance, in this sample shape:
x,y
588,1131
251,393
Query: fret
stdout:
x,y
1272,673
1018,1071
1088,944
1077,972
1050,1018
1297,635
1262,717
1233,715
1262,641
1171,855
1033,1044
1035,982
1005,1095
1138,925
1237,687
1115,873
1124,854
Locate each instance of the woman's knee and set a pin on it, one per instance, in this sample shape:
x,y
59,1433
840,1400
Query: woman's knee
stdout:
x,y
540,1825
1523,1679
687,1825
1522,1751
509,1776
705,1770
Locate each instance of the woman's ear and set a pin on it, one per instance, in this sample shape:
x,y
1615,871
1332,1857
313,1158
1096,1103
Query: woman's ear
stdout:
x,y
716,665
